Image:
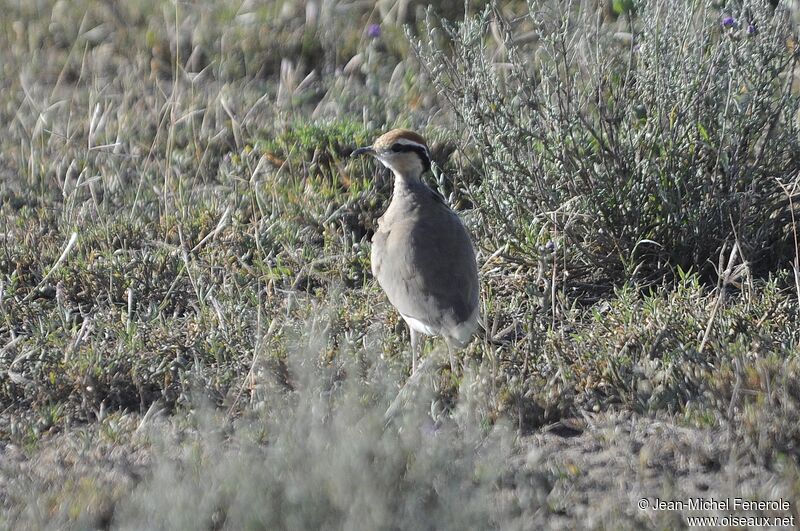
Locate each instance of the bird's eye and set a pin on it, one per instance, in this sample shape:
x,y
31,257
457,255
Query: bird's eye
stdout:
x,y
397,148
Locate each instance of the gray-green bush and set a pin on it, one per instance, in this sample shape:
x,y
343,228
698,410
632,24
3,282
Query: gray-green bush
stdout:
x,y
637,144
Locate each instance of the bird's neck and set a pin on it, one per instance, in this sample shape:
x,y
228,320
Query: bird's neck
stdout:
x,y
407,183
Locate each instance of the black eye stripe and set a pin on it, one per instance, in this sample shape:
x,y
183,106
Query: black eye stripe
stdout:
x,y
398,147
419,150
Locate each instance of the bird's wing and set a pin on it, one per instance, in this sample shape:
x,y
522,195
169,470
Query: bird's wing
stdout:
x,y
426,266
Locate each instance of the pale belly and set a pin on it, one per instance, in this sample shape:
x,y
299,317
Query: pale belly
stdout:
x,y
419,326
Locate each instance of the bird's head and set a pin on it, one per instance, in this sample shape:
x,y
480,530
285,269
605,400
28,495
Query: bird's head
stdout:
x,y
402,151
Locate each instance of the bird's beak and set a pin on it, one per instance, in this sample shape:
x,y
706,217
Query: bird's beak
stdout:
x,y
361,151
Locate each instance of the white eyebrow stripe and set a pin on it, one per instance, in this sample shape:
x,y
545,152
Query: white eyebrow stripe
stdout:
x,y
409,142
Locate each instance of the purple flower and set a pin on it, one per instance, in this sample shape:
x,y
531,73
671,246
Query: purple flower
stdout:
x,y
374,31
751,29
730,22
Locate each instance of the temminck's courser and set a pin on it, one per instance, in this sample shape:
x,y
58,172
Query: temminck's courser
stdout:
x,y
422,255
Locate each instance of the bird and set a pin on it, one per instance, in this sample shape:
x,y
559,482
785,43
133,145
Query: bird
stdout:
x,y
422,254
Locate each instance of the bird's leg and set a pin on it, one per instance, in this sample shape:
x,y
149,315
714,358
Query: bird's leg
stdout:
x,y
452,357
414,344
